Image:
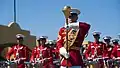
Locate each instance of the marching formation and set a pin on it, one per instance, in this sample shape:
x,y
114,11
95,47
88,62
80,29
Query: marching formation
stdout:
x,y
68,51
102,54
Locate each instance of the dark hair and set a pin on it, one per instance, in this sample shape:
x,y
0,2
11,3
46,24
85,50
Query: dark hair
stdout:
x,y
106,39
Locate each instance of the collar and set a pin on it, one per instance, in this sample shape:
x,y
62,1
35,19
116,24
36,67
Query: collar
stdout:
x,y
77,23
97,42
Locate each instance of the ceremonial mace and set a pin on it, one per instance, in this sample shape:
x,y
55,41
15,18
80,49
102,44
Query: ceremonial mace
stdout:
x,y
66,10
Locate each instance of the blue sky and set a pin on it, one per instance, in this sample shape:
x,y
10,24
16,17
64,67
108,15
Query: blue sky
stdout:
x,y
44,17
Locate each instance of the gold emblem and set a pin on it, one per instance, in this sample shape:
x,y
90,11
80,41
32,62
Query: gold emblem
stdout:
x,y
72,35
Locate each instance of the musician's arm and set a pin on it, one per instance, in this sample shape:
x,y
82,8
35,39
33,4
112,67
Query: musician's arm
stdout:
x,y
33,55
104,50
62,50
113,52
87,52
60,39
10,52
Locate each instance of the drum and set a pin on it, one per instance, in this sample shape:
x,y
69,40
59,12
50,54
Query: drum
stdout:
x,y
27,65
91,64
110,63
36,65
39,65
117,63
3,64
11,64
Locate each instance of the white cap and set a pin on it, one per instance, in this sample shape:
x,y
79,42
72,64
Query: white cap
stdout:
x,y
96,33
115,40
42,37
74,10
20,36
107,37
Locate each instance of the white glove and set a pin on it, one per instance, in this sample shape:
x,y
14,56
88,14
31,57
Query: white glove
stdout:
x,y
113,58
22,58
64,53
118,58
93,56
105,57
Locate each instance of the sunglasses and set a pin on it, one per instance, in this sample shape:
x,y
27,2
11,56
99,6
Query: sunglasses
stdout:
x,y
96,35
106,39
73,15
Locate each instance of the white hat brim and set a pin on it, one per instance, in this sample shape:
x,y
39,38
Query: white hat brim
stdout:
x,y
75,10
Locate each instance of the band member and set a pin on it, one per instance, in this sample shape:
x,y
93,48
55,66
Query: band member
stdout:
x,y
107,40
116,50
19,51
96,49
76,34
52,45
42,53
55,54
115,42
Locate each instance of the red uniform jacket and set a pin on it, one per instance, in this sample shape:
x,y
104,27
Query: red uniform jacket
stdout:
x,y
96,50
109,51
42,52
23,52
116,51
55,53
75,57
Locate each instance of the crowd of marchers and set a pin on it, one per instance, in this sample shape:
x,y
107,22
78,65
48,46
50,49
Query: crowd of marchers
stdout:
x,y
104,53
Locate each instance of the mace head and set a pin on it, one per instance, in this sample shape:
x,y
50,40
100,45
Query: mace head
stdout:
x,y
66,10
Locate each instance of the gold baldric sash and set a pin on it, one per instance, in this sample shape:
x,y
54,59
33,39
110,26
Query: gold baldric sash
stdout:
x,y
72,36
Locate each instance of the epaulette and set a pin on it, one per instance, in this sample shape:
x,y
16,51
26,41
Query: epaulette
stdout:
x,y
61,28
82,22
